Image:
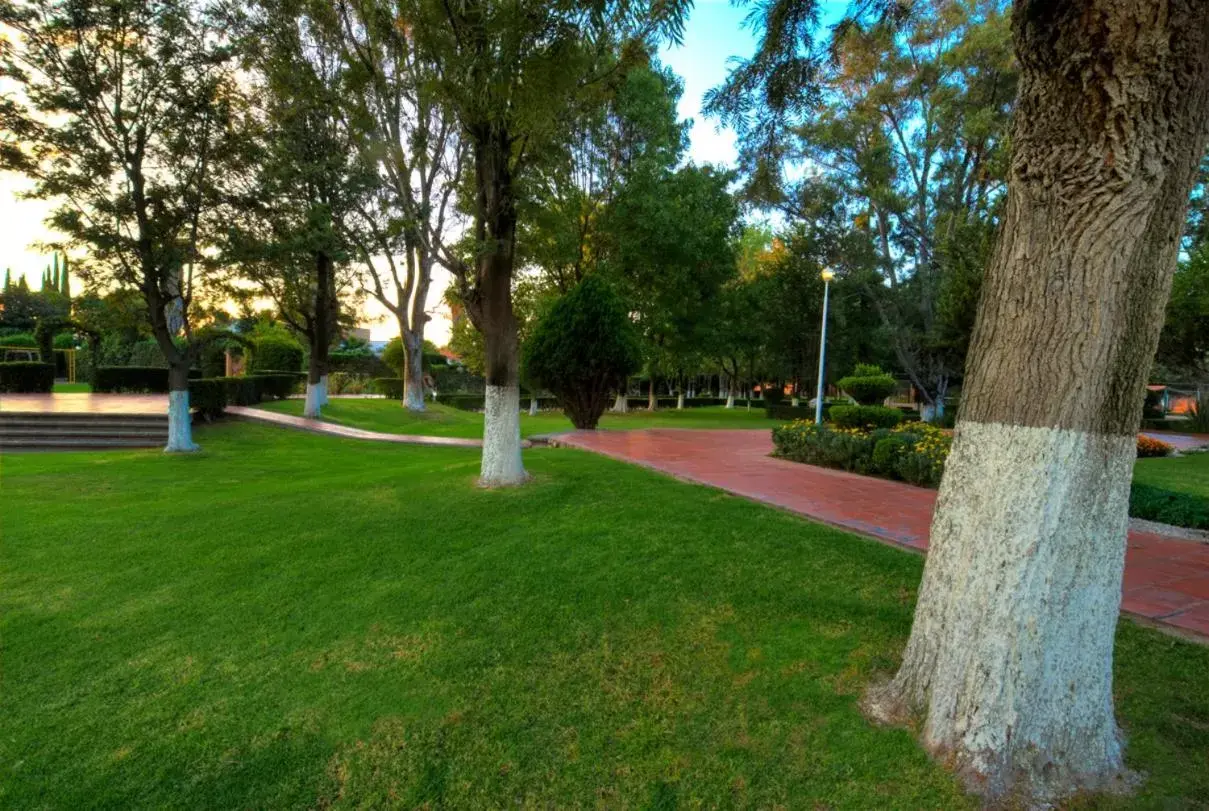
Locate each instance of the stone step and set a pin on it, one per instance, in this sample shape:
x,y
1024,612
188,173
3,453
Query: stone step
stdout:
x,y
74,416
84,424
25,431
77,443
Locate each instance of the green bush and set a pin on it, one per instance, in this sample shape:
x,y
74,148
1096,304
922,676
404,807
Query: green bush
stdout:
x,y
65,340
391,387
277,385
915,455
888,450
582,349
22,339
152,379
146,353
783,411
1168,507
868,385
241,391
820,445
1198,417
208,396
272,352
865,416
773,395
26,377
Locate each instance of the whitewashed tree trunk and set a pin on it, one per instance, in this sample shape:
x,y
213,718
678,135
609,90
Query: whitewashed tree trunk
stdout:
x,y
413,372
502,438
1008,670
532,406
680,401
180,424
730,398
323,398
313,404
795,401
620,404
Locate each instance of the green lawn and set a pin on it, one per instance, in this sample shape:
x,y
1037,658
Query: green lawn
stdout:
x,y
72,388
1186,474
389,416
293,620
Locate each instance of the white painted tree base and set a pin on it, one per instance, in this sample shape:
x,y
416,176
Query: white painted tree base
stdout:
x,y
413,396
680,402
1009,665
180,424
532,406
795,402
620,404
323,390
501,466
730,400
313,405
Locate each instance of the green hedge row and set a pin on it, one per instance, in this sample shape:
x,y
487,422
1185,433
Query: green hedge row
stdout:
x,y
135,379
209,396
1168,507
26,377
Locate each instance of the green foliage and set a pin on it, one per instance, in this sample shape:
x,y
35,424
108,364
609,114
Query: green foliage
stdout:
x,y
390,387
820,445
773,394
133,379
1184,341
582,349
915,454
1198,416
208,396
868,385
783,411
865,417
394,355
19,339
26,377
65,340
1168,506
275,353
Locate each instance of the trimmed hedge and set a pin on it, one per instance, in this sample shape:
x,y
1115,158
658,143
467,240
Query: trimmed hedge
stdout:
x,y
152,379
27,377
785,411
20,339
391,387
1168,507
865,416
208,396
275,354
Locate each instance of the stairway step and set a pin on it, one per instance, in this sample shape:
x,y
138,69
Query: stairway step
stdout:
x,y
79,443
109,425
17,432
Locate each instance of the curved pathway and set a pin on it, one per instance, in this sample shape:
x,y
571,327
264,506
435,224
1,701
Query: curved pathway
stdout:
x,y
1166,578
345,432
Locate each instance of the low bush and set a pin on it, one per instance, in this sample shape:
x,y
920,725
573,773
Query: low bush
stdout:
x,y
865,416
1198,417
241,391
136,379
913,453
27,377
271,352
773,395
276,385
868,384
1149,447
784,411
1168,507
391,387
208,396
22,339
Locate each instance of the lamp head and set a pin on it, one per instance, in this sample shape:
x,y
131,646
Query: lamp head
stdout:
x,y
827,275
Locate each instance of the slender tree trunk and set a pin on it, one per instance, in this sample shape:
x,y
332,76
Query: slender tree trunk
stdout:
x,y
533,405
1009,664
320,338
180,421
652,401
413,370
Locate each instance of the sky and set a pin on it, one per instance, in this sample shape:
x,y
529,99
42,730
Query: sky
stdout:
x,y
713,34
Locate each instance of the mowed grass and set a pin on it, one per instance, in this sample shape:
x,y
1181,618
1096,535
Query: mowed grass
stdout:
x,y
389,416
72,388
292,620
1186,474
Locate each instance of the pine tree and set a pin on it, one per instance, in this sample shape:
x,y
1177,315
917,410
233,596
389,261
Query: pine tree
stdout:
x,y
54,274
8,279
64,284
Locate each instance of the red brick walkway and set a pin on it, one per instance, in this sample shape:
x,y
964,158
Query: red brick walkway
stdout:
x,y
1166,579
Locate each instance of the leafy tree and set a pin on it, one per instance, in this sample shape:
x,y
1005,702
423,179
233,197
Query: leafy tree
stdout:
x,y
123,116
582,349
1035,493
1184,342
303,180
511,75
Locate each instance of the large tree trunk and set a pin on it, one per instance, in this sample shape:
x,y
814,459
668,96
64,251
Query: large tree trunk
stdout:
x,y
496,222
620,405
413,370
1009,664
320,338
180,421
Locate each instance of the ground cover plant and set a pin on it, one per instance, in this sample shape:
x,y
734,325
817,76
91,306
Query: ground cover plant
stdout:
x,y
388,416
344,636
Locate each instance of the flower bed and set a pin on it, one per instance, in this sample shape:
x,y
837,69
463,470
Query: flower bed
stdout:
x,y
913,452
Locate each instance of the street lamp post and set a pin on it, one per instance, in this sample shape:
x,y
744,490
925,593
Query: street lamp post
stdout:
x,y
827,275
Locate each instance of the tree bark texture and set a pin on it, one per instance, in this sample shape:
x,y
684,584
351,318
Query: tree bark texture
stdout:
x,y
413,370
1009,664
180,420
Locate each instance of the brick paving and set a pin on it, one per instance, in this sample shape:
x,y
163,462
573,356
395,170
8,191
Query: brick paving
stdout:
x,y
1166,578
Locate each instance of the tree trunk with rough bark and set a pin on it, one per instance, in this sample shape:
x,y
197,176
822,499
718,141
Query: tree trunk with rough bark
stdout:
x,y
180,420
620,405
320,337
1009,665
413,370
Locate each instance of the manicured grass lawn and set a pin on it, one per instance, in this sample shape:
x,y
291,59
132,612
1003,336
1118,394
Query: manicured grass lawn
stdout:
x,y
389,416
72,388
1185,474
295,620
